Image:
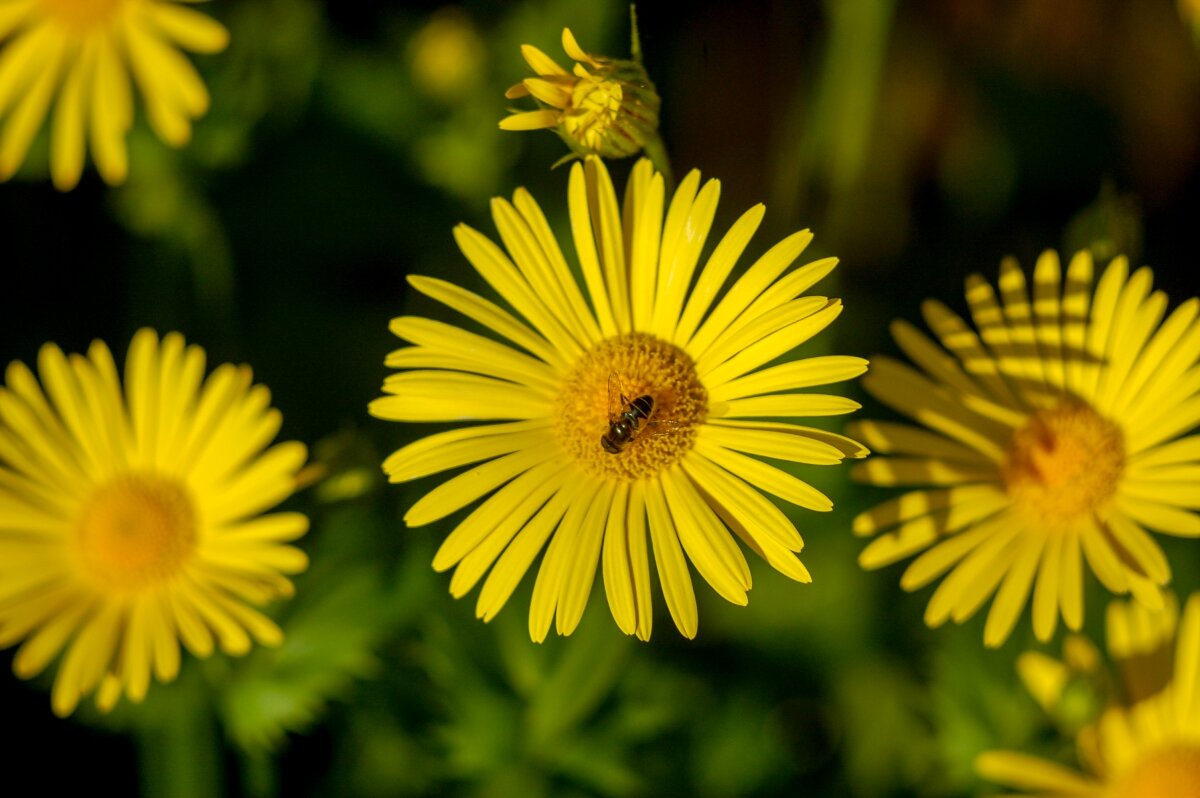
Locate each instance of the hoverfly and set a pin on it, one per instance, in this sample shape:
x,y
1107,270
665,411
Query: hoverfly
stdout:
x,y
632,418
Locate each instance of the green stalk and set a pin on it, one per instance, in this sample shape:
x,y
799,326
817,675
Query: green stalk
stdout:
x,y
180,753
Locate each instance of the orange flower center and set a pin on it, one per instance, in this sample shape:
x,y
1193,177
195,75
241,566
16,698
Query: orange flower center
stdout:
x,y
591,407
1065,463
135,531
1169,772
81,15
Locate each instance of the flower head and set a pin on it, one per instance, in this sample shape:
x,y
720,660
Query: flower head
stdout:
x,y
1065,688
635,401
80,54
130,520
447,54
1140,641
1049,437
605,107
1147,749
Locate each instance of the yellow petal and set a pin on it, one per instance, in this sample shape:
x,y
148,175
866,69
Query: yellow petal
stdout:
x,y
1031,773
67,137
495,267
462,446
513,504
746,289
458,492
803,373
26,117
519,555
617,565
189,29
1013,593
668,556
554,571
530,120
682,242
714,273
539,62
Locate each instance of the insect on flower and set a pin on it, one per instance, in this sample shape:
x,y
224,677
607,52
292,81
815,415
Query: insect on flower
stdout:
x,y
625,424
675,480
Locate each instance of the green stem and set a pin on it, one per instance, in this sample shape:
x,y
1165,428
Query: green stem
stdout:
x,y
657,153
259,778
635,41
179,756
653,147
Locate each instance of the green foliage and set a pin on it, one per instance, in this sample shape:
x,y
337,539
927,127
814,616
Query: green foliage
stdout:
x,y
330,636
1110,226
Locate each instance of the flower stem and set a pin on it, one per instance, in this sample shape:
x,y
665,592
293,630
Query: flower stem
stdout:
x,y
656,151
653,146
179,755
635,41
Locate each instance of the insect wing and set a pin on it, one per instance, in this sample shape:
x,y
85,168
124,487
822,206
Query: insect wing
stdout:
x,y
617,401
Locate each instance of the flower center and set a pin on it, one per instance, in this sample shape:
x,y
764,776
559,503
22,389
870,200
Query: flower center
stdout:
x,y
80,15
1169,772
1064,463
136,530
640,438
595,104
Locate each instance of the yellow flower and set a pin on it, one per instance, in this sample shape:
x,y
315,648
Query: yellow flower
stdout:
x,y
1150,749
605,107
129,523
636,336
84,51
1139,643
1051,680
1048,438
447,55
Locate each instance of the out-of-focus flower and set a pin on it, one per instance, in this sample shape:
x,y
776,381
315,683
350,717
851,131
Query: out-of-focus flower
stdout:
x,y
605,107
1147,749
448,54
130,520
1189,11
1048,437
80,54
1049,680
634,401
1139,643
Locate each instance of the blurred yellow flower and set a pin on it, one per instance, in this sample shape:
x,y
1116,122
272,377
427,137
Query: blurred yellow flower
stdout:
x,y
1139,643
1148,749
1048,679
628,403
1047,438
129,523
83,52
605,107
447,54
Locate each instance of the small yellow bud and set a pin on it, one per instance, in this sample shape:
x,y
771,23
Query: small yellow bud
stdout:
x,y
605,106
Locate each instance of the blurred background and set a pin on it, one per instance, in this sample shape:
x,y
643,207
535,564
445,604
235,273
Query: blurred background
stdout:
x,y
920,141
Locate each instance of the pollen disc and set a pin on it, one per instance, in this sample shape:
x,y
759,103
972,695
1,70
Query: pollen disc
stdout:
x,y
135,531
633,365
1064,463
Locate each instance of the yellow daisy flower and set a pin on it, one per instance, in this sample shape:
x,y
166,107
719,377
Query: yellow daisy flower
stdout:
x,y
1139,644
1048,679
84,51
1150,749
131,522
605,106
1048,437
632,402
